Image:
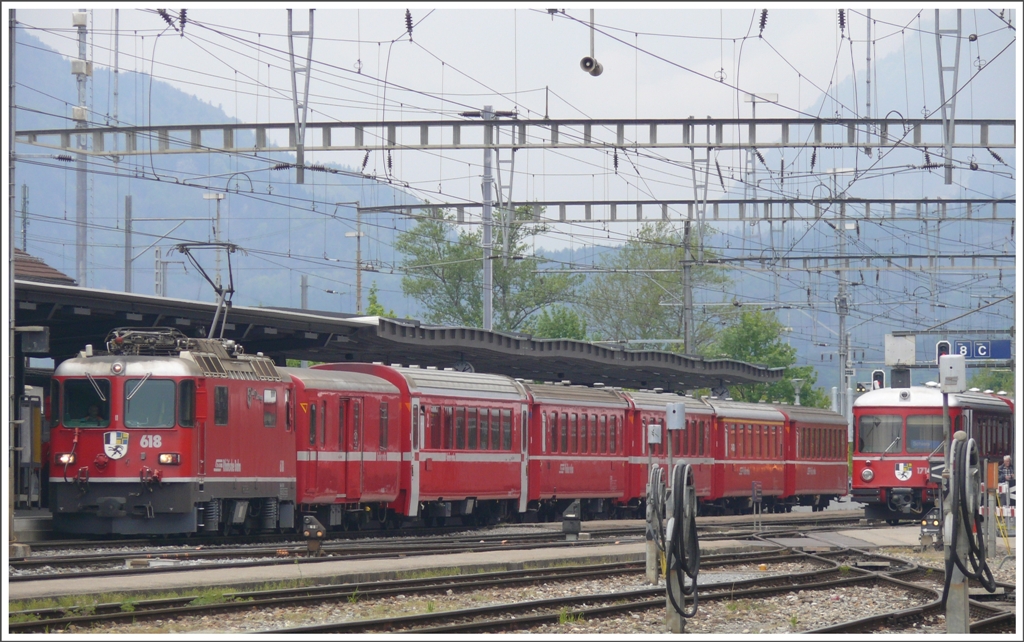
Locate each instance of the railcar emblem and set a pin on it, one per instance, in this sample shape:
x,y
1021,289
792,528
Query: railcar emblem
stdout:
x,y
115,444
904,471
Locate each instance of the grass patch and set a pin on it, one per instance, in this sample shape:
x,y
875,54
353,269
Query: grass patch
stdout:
x,y
22,617
210,596
427,573
430,606
565,617
845,570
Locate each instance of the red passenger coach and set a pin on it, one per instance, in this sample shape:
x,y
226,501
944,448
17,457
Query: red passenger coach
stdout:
x,y
748,447
348,444
816,448
579,446
467,454
691,445
898,436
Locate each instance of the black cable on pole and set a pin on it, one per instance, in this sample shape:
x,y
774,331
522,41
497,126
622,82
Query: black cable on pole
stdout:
x,y
962,450
683,549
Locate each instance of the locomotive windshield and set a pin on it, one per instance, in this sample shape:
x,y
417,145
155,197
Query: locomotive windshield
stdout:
x,y
149,403
87,403
924,433
876,433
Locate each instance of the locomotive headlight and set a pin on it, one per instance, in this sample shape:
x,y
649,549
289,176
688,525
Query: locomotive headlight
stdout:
x,y
935,523
169,458
867,474
924,522
66,459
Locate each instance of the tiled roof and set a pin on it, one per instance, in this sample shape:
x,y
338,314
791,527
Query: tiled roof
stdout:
x,y
30,268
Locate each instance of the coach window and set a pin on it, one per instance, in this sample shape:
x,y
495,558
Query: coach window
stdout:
x,y
574,442
563,428
187,403
435,427
506,430
384,426
484,418
495,431
220,405
602,446
471,429
448,435
312,424
593,434
613,444
583,433
460,428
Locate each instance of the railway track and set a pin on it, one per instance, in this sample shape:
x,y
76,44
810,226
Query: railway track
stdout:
x,y
54,618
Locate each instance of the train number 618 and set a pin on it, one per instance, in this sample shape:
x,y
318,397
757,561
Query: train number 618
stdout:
x,y
150,441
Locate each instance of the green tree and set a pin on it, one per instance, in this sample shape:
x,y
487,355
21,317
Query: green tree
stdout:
x,y
757,338
640,293
373,307
444,272
557,322
993,379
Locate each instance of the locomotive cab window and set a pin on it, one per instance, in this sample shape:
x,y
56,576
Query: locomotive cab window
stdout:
x,y
269,407
879,433
187,403
149,403
924,433
220,405
86,403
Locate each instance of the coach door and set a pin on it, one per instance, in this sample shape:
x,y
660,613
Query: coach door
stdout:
x,y
351,412
312,447
416,425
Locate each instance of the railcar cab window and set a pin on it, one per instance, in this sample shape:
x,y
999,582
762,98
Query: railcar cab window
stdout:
x,y
924,433
879,433
86,403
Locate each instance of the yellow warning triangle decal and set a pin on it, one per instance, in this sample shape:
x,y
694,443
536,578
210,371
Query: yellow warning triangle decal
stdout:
x,y
304,407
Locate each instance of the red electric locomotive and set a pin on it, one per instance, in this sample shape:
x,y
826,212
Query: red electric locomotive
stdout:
x,y
898,436
166,434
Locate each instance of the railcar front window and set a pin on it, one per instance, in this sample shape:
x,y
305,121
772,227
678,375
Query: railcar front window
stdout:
x,y
150,405
876,433
924,433
83,407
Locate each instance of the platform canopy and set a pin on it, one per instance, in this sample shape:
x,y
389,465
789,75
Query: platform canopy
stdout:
x,y
78,316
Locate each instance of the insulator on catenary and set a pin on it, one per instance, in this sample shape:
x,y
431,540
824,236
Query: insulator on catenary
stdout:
x,y
927,158
281,166
181,21
759,156
167,18
64,157
996,156
720,179
814,157
615,160
366,159
842,21
408,23
389,160
764,21
781,173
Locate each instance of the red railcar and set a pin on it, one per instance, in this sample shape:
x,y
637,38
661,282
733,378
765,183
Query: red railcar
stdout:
x,y
579,446
898,436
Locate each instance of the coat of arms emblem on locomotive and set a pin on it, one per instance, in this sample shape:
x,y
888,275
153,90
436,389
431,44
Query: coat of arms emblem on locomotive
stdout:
x,y
903,471
115,444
